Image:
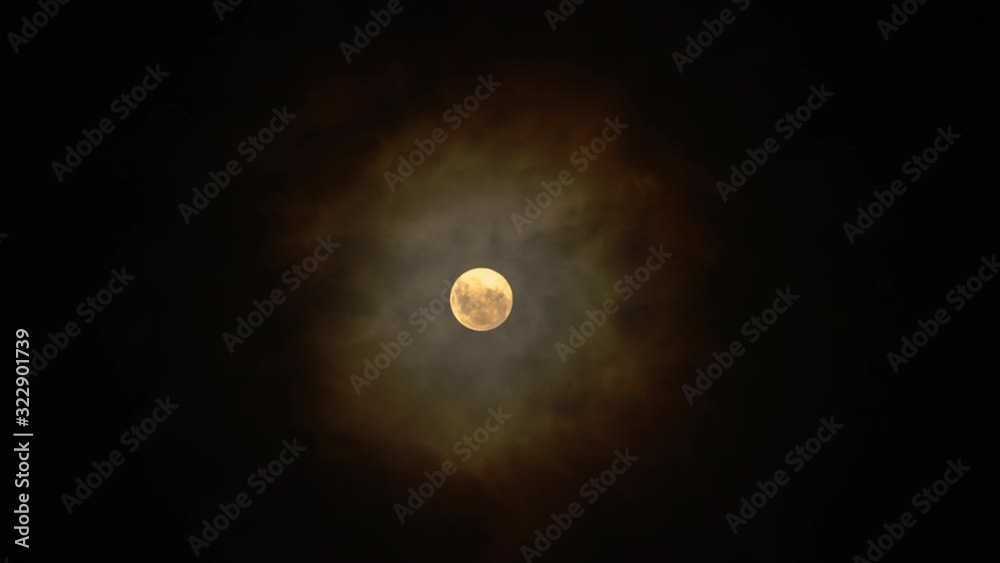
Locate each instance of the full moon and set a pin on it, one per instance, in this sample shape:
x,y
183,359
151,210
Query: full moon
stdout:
x,y
481,299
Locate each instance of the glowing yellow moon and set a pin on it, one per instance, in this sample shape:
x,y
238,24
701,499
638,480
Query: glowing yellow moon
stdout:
x,y
481,299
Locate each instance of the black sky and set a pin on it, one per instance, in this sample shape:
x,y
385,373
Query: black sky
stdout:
x,y
323,176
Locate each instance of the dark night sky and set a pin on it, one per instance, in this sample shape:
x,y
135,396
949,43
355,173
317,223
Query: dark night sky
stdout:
x,y
323,176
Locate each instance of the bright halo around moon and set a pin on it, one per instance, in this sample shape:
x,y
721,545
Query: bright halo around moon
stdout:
x,y
481,299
